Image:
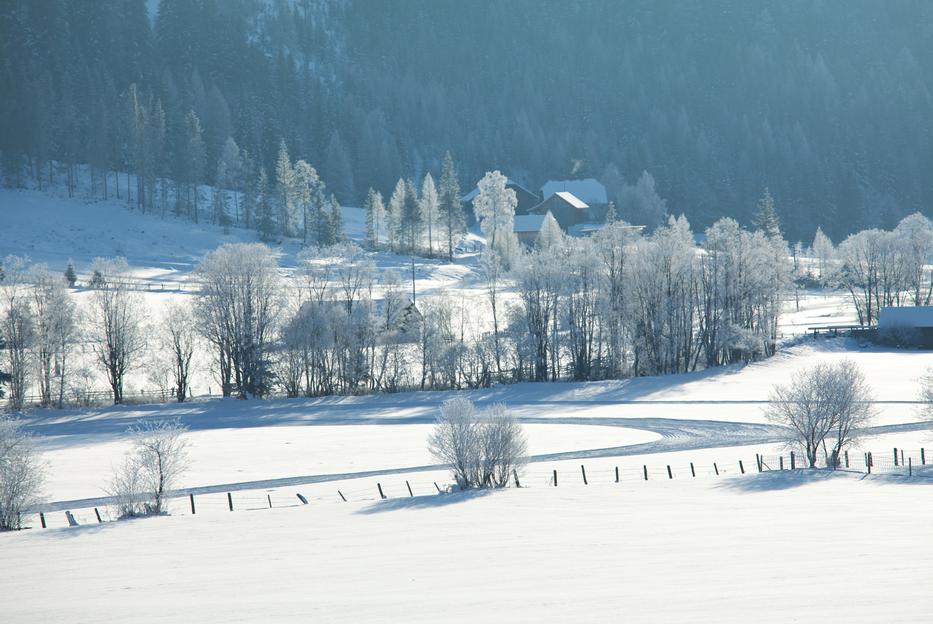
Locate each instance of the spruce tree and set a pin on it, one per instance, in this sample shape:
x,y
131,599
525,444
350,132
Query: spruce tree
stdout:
x,y
265,224
375,217
411,220
285,183
336,221
766,218
451,211
394,215
70,276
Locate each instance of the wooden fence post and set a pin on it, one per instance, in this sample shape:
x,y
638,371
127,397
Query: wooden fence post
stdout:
x,y
670,475
381,495
583,471
902,457
793,463
518,483
191,498
230,500
847,458
741,467
716,468
910,466
617,474
437,487
304,501
758,461
923,456
97,513
895,457
692,471
868,462
342,497
42,519
269,498
645,468
555,477
409,488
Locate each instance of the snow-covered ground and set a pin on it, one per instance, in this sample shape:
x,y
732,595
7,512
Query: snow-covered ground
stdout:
x,y
757,548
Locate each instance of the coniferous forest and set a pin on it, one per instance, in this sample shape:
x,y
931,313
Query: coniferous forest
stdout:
x,y
827,104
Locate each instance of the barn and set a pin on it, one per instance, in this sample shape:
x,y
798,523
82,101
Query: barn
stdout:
x,y
567,209
907,326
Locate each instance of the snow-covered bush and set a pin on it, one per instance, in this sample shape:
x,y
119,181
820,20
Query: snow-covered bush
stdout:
x,y
141,485
21,474
483,448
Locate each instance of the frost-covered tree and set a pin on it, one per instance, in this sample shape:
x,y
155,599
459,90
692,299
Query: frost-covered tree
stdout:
x,y
494,207
285,187
642,204
482,449
18,331
429,210
551,235
117,333
21,474
824,251
411,220
914,238
450,208
179,342
265,220
539,280
151,469
55,321
305,181
766,218
236,309
375,218
826,405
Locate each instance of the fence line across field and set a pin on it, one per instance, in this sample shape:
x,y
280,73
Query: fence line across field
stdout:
x,y
896,461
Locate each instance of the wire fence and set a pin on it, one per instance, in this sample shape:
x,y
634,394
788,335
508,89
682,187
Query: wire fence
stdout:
x,y
896,462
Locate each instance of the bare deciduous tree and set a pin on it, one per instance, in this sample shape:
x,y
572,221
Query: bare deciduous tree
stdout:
x,y
118,335
824,404
21,474
141,485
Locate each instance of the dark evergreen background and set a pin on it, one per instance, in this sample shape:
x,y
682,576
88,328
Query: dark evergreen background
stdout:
x,y
826,103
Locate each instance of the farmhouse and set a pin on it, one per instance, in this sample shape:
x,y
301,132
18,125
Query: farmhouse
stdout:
x,y
526,199
589,190
567,209
527,227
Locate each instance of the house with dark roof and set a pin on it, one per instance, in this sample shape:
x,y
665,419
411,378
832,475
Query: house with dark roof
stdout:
x,y
526,199
588,190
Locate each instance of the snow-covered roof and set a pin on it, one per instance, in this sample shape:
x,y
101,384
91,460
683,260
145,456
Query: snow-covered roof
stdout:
x,y
589,190
508,182
912,316
527,223
572,199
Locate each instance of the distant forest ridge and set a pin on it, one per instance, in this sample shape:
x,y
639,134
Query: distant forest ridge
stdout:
x,y
827,104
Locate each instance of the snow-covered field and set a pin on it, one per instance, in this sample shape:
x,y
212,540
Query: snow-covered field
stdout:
x,y
723,547
763,548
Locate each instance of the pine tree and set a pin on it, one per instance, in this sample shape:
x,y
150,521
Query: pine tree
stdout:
x,y
305,180
285,187
451,211
411,220
336,221
265,224
375,218
766,218
320,217
70,276
194,159
611,216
